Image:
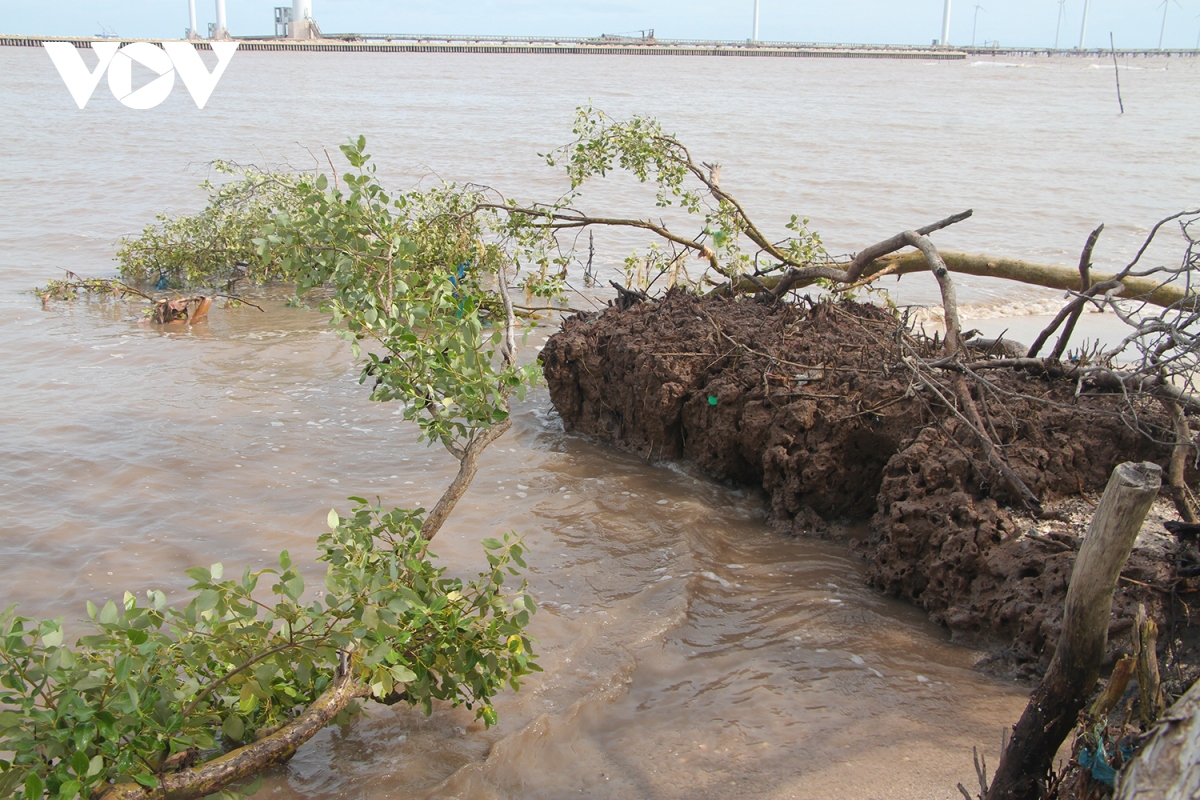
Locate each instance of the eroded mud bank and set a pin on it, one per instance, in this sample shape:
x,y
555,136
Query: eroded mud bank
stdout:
x,y
816,405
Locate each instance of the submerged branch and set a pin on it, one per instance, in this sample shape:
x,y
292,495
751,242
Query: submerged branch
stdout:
x,y
251,759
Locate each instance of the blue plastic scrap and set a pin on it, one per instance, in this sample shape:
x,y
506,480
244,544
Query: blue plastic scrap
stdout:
x,y
1098,762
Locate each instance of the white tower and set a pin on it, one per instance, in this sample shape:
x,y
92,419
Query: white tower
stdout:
x,y
222,31
1083,27
192,20
755,37
301,26
945,25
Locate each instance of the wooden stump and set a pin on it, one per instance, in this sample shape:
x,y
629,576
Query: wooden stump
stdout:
x,y
1075,668
1168,765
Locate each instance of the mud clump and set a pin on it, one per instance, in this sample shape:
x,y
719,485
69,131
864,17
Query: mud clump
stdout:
x,y
815,404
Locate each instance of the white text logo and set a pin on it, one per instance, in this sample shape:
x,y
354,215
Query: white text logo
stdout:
x,y
171,58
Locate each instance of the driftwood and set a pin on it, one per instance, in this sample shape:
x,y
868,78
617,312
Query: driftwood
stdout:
x,y
181,310
1168,765
1114,690
1185,500
1145,639
1055,705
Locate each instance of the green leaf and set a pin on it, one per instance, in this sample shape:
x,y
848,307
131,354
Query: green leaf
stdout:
x,y
207,600
149,781
251,789
53,638
402,674
33,786
10,780
370,618
199,574
493,544
233,727
109,614
294,587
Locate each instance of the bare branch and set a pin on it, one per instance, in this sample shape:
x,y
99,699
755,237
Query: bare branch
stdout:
x,y
1085,265
865,258
949,300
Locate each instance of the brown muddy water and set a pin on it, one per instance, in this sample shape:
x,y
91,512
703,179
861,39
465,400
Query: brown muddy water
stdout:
x,y
688,651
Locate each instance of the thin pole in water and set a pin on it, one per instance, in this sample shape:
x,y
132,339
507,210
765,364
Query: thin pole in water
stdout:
x,y
1083,27
1116,71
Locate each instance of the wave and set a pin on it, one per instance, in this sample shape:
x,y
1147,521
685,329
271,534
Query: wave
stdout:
x,y
584,679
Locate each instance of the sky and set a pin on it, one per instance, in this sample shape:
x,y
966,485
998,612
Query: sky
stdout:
x,y
1134,23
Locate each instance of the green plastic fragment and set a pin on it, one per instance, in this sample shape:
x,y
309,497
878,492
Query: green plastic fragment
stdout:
x,y
712,399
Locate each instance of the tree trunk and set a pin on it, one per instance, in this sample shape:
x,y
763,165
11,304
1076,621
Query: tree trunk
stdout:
x,y
1168,765
251,759
467,467
1055,705
1049,276
1052,277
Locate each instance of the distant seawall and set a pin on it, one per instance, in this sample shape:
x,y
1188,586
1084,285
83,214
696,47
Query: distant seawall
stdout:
x,y
540,48
409,43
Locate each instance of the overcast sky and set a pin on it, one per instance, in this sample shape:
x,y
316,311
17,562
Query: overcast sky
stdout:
x,y
1135,23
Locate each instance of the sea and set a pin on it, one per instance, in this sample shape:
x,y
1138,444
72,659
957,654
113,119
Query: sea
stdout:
x,y
688,650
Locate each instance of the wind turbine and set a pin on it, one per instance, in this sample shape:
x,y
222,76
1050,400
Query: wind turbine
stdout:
x,y
975,24
1163,30
755,37
945,40
1083,27
1062,12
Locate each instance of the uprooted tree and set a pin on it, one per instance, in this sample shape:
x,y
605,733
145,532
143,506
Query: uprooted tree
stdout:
x,y
156,694
189,700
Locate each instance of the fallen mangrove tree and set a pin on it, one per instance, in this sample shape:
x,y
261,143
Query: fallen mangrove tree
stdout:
x,y
195,699
952,449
